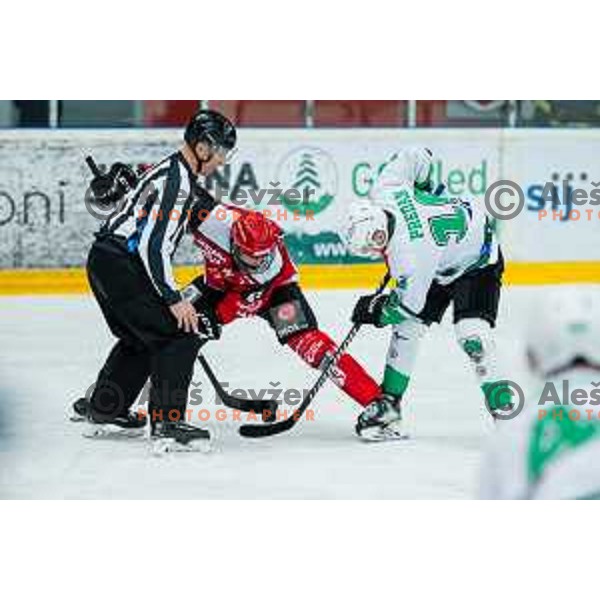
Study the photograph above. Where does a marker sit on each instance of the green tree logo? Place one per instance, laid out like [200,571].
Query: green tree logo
[312,173]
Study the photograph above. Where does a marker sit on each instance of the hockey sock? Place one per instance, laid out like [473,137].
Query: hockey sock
[401,356]
[313,346]
[477,341]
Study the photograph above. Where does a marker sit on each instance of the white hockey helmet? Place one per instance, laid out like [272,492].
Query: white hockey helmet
[366,229]
[423,165]
[564,330]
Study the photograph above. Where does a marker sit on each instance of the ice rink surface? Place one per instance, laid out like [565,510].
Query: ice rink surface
[52,348]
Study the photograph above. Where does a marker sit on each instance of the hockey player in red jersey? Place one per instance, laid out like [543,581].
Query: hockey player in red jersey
[248,273]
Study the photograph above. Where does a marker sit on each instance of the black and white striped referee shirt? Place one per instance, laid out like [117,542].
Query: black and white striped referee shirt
[154,216]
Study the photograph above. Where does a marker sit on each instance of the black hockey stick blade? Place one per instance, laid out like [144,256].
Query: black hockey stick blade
[257,406]
[256,431]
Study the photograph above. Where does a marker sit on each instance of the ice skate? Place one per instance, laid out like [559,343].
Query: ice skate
[179,436]
[381,421]
[78,411]
[131,425]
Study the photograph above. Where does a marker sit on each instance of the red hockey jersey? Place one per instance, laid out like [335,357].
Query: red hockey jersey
[245,294]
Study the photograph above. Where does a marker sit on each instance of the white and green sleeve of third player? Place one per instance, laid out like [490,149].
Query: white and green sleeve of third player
[546,452]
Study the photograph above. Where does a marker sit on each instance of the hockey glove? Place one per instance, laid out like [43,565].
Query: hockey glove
[208,324]
[368,310]
[380,310]
[109,188]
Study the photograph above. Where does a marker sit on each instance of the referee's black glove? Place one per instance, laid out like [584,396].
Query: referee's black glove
[109,188]
[209,326]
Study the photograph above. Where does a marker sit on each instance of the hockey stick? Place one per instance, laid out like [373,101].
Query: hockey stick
[91,163]
[258,406]
[255,431]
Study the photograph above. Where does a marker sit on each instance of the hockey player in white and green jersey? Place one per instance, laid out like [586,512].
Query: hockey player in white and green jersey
[440,250]
[551,450]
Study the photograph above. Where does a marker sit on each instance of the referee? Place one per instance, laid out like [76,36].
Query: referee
[131,275]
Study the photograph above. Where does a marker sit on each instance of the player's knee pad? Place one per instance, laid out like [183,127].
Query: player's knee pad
[290,314]
[409,330]
[476,338]
[404,344]
[405,338]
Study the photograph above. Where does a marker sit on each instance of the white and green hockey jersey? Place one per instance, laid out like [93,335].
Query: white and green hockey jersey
[436,237]
[549,451]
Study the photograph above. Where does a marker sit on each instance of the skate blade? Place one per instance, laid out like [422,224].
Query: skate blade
[160,447]
[390,433]
[108,431]
[74,416]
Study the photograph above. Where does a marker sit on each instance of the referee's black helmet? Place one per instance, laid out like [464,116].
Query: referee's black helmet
[212,128]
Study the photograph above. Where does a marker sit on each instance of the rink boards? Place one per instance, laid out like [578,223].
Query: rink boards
[326,277]
[46,228]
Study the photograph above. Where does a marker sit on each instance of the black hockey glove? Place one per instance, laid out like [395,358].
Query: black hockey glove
[109,188]
[368,310]
[209,326]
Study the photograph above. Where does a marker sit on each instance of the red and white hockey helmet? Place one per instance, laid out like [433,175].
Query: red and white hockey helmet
[254,241]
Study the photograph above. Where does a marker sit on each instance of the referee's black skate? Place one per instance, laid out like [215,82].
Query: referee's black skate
[179,436]
[79,410]
[381,420]
[129,425]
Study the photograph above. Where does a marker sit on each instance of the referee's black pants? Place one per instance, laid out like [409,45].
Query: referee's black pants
[149,345]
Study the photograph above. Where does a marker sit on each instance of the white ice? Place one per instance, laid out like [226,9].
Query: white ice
[52,348]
